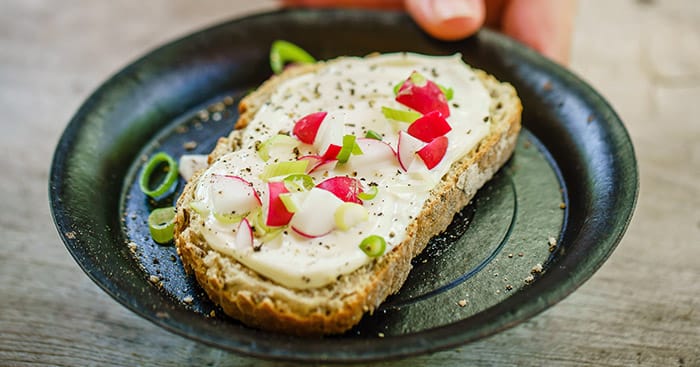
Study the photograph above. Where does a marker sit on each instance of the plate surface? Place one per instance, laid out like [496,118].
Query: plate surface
[562,203]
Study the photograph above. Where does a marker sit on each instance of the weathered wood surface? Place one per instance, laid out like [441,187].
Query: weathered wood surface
[641,308]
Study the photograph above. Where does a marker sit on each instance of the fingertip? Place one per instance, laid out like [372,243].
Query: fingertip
[448,20]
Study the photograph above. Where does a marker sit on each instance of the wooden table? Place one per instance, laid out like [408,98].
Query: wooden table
[641,308]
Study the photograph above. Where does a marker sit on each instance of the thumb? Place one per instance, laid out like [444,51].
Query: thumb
[448,20]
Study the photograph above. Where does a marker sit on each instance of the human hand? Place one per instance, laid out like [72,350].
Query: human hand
[545,25]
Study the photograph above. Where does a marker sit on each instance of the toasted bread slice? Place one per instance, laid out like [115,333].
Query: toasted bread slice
[334,308]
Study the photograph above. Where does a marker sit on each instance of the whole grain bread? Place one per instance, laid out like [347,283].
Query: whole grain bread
[259,302]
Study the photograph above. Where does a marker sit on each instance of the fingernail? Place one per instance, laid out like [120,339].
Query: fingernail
[444,10]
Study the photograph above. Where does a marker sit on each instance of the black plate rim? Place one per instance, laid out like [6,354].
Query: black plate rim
[498,317]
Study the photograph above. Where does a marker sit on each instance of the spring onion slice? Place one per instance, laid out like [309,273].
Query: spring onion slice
[170,177]
[278,140]
[284,169]
[349,147]
[373,135]
[400,115]
[228,218]
[283,52]
[288,202]
[349,214]
[200,207]
[298,182]
[370,193]
[373,246]
[161,224]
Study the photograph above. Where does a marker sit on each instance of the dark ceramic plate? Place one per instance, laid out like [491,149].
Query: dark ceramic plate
[561,204]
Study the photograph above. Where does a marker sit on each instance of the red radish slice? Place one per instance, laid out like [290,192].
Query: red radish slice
[318,163]
[429,127]
[306,128]
[315,216]
[274,211]
[376,155]
[423,97]
[232,195]
[325,166]
[332,152]
[329,133]
[344,188]
[433,152]
[244,235]
[407,148]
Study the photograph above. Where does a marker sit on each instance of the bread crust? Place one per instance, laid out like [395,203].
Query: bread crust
[259,302]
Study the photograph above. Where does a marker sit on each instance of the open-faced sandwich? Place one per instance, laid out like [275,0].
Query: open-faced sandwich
[336,175]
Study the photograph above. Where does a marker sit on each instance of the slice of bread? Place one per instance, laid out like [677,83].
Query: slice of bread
[259,302]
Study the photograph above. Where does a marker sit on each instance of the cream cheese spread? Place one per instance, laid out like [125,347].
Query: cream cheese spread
[352,91]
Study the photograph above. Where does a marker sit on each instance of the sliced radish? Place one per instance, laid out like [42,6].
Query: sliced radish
[316,215]
[429,127]
[274,211]
[191,163]
[331,152]
[244,235]
[407,148]
[376,155]
[330,133]
[318,163]
[232,195]
[433,152]
[344,188]
[350,214]
[306,128]
[422,95]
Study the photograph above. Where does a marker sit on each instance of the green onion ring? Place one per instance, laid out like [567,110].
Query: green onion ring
[371,134]
[373,246]
[299,182]
[400,115]
[170,177]
[370,194]
[161,224]
[283,52]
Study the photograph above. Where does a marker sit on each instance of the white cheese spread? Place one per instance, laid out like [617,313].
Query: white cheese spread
[352,91]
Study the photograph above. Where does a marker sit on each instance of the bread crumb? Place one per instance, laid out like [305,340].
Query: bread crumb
[552,243]
[188,299]
[212,313]
[154,279]
[380,334]
[536,269]
[132,246]
[203,115]
[70,235]
[529,279]
[509,287]
[190,145]
[228,100]
[562,205]
[462,302]
[510,256]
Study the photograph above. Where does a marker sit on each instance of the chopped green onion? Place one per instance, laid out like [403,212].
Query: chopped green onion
[269,236]
[229,218]
[347,149]
[199,207]
[161,224]
[349,214]
[397,87]
[284,169]
[170,175]
[448,92]
[373,135]
[278,140]
[288,202]
[298,182]
[369,194]
[418,78]
[257,222]
[400,115]
[373,246]
[283,52]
